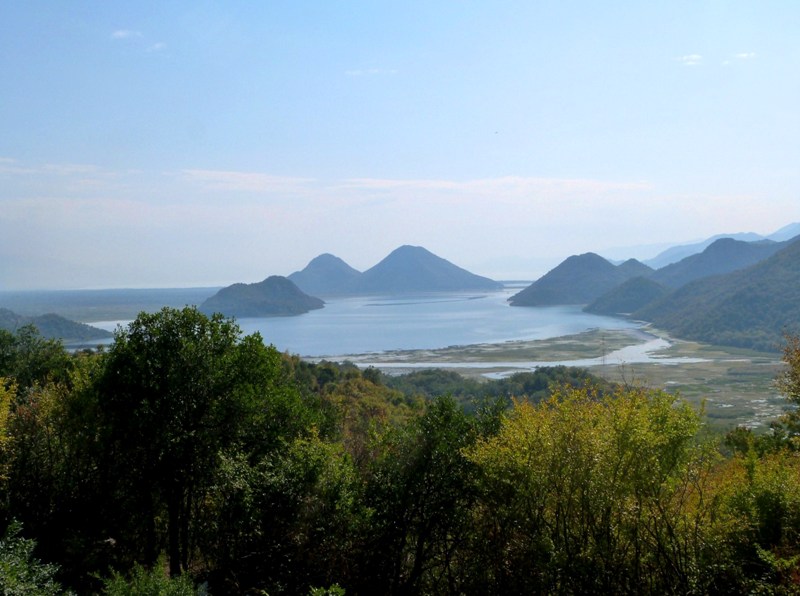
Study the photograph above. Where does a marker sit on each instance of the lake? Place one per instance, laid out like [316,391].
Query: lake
[360,325]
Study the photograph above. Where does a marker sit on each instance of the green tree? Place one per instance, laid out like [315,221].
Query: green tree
[421,488]
[29,358]
[177,389]
[590,494]
[21,574]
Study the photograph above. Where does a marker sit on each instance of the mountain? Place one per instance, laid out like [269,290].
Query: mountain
[275,296]
[633,268]
[751,307]
[52,326]
[786,233]
[628,297]
[676,253]
[580,279]
[326,275]
[722,256]
[415,269]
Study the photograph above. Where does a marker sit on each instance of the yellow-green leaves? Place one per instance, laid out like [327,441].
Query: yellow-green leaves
[599,485]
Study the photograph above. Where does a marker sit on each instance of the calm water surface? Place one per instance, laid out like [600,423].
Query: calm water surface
[360,325]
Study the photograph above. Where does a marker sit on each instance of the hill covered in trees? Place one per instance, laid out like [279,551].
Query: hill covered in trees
[276,296]
[52,326]
[722,256]
[628,297]
[580,279]
[733,293]
[752,307]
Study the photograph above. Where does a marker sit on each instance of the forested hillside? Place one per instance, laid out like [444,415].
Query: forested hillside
[274,297]
[723,256]
[52,326]
[190,457]
[580,279]
[628,297]
[752,307]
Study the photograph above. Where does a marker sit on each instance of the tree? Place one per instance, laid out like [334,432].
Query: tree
[786,430]
[177,389]
[29,358]
[591,494]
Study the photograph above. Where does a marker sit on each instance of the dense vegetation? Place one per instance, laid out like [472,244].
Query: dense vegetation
[52,326]
[191,459]
[750,308]
[276,296]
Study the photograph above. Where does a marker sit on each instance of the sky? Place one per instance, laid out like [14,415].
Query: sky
[201,143]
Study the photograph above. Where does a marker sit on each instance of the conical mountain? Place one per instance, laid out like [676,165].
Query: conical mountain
[415,269]
[633,268]
[274,297]
[326,275]
[580,279]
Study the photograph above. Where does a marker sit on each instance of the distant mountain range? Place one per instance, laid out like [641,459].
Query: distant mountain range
[676,253]
[406,269]
[276,296]
[732,293]
[52,326]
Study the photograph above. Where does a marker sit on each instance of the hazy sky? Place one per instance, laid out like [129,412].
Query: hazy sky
[178,143]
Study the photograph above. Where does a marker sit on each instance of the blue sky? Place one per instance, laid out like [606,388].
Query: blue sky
[154,144]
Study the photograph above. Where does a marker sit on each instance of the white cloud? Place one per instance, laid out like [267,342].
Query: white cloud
[690,59]
[157,47]
[125,34]
[745,55]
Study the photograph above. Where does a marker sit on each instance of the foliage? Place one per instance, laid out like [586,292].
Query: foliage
[21,574]
[592,494]
[178,387]
[420,486]
[153,582]
[189,447]
[29,358]
[470,393]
